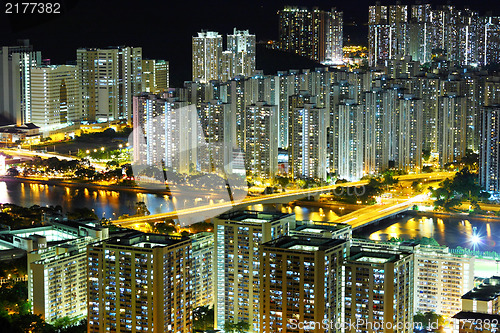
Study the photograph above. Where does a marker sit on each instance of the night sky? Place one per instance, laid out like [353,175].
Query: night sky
[164,28]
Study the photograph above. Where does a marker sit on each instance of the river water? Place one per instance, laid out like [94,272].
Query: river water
[111,204]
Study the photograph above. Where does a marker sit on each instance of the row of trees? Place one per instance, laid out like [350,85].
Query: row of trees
[16,315]
[463,186]
[366,194]
[106,135]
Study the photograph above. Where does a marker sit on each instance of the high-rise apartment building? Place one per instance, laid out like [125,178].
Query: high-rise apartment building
[167,132]
[140,282]
[452,134]
[441,279]
[307,135]
[301,281]
[109,79]
[202,269]
[287,86]
[387,35]
[428,89]
[489,41]
[55,96]
[149,131]
[261,143]
[489,149]
[155,76]
[57,275]
[207,56]
[349,128]
[237,263]
[409,140]
[211,62]
[480,308]
[379,289]
[380,105]
[315,33]
[218,128]
[241,45]
[461,36]
[16,65]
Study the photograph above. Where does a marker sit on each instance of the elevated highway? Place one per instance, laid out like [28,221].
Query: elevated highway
[369,214]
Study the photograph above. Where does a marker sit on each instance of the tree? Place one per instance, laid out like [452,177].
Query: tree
[203,318]
[427,169]
[111,164]
[283,181]
[240,327]
[429,321]
[82,214]
[466,184]
[451,192]
[141,208]
[426,154]
[470,159]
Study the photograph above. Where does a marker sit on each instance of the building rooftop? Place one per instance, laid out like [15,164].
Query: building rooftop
[302,243]
[145,240]
[486,291]
[374,257]
[253,216]
[474,316]
[320,228]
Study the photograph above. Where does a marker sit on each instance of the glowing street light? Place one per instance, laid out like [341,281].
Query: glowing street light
[475,239]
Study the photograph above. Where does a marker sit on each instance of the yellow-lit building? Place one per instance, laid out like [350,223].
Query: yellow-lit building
[480,309]
[140,282]
[57,275]
[301,282]
[379,290]
[55,96]
[155,76]
[237,262]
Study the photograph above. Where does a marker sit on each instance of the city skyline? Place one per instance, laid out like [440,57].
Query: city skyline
[171,43]
[169,181]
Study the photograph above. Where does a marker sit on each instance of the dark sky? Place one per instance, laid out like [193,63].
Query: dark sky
[164,28]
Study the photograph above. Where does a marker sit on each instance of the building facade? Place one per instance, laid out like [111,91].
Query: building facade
[55,96]
[140,282]
[155,76]
[207,56]
[109,78]
[301,281]
[237,263]
[16,65]
[379,290]
[489,149]
[312,33]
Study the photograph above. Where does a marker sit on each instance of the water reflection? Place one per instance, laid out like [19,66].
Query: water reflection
[449,231]
[108,203]
[452,232]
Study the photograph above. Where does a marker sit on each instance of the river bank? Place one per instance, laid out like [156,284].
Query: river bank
[136,189]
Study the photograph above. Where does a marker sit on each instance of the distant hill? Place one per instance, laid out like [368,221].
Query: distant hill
[272,61]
